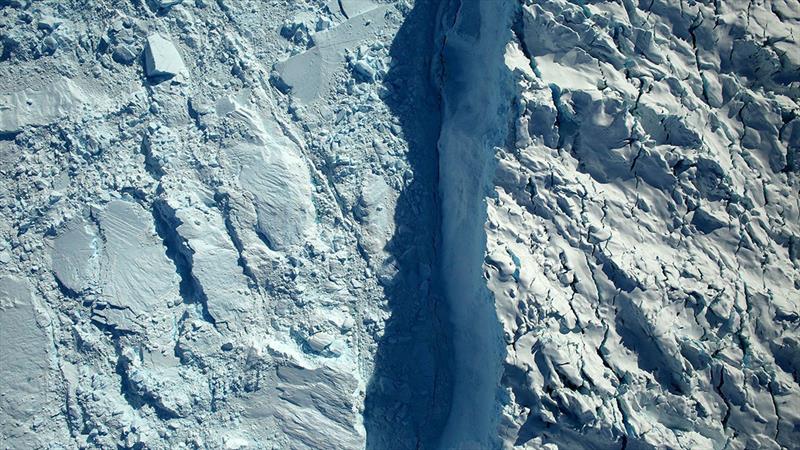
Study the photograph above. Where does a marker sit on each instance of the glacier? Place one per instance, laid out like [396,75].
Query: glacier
[400,224]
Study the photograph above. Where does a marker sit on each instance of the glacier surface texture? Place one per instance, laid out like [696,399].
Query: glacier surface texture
[400,224]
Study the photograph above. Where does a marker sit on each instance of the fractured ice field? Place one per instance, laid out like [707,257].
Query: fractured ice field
[399,224]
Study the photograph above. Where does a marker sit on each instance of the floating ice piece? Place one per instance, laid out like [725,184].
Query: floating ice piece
[298,29]
[162,59]
[163,4]
[49,23]
[319,341]
[706,222]
[274,171]
[75,258]
[364,70]
[23,363]
[137,276]
[352,8]
[311,406]
[307,75]
[277,176]
[211,258]
[39,106]
[118,266]
[374,210]
[280,181]
[168,389]
[124,54]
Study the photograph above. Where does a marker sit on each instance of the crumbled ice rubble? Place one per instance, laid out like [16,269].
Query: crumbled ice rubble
[198,220]
[641,223]
[367,66]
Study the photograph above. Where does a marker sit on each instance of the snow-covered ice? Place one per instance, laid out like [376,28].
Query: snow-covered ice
[399,224]
[162,59]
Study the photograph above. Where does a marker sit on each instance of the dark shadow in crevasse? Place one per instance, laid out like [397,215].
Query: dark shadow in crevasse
[408,398]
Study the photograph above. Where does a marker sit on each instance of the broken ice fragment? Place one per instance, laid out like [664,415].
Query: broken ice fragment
[364,70]
[297,30]
[374,210]
[162,59]
[312,405]
[164,4]
[24,361]
[38,106]
[352,8]
[308,74]
[49,23]
[124,54]
[75,261]
[49,45]
[278,178]
[319,341]
[137,277]
[706,222]
[211,259]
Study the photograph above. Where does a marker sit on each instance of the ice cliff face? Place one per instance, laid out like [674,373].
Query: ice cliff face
[642,227]
[399,225]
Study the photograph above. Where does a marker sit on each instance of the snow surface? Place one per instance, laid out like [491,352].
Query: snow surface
[641,234]
[396,224]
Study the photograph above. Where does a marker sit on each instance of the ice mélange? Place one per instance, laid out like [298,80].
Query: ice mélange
[431,224]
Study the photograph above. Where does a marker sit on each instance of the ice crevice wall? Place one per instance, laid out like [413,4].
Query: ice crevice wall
[474,122]
[619,184]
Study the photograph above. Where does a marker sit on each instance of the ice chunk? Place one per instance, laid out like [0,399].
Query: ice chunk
[49,23]
[364,70]
[173,391]
[278,177]
[137,277]
[164,4]
[310,406]
[308,74]
[304,75]
[352,8]
[211,257]
[162,59]
[124,54]
[281,184]
[75,257]
[39,106]
[23,364]
[115,261]
[319,341]
[375,210]
[706,222]
[298,29]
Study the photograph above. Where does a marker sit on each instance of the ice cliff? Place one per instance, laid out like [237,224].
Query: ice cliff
[455,224]
[641,229]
